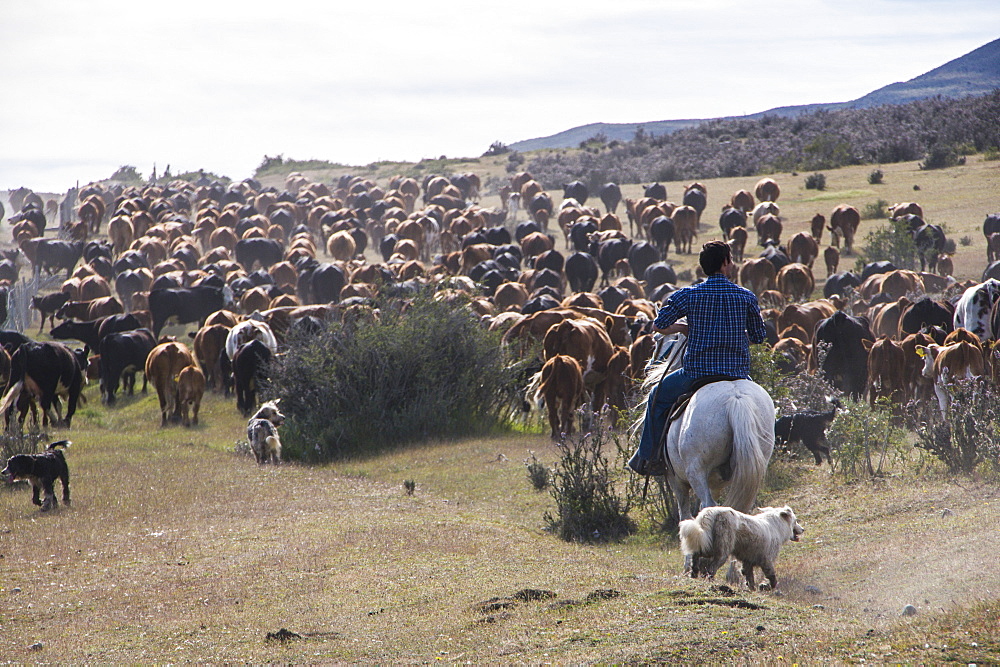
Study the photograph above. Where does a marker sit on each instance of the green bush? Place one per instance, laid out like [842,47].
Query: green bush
[941,156]
[875,177]
[423,369]
[538,474]
[970,434]
[592,498]
[863,439]
[877,210]
[816,182]
[891,242]
[992,153]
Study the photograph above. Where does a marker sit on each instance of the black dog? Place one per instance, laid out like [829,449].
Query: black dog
[42,470]
[809,428]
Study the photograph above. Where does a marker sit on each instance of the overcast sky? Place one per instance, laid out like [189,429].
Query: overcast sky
[91,85]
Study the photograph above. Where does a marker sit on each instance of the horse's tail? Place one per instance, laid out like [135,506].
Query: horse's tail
[752,429]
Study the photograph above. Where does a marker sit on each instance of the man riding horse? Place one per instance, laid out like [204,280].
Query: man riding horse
[722,320]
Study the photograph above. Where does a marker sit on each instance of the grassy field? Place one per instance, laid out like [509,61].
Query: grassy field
[178,549]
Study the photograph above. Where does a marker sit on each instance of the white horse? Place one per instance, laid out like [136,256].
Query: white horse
[724,439]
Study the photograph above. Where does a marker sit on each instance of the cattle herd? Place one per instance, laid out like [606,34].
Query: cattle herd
[250,266]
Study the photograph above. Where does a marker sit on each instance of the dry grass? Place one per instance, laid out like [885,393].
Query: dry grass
[177,549]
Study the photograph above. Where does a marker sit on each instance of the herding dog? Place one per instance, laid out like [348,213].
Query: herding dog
[809,428]
[41,470]
[720,532]
[262,432]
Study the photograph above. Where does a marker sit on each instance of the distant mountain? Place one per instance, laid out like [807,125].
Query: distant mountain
[975,73]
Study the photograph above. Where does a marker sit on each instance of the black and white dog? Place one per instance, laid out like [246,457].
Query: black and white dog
[262,432]
[809,428]
[42,470]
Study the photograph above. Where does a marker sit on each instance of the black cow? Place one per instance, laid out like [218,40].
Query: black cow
[929,240]
[924,313]
[579,234]
[54,255]
[661,233]
[730,218]
[840,283]
[613,296]
[611,196]
[187,304]
[640,257]
[122,354]
[576,190]
[874,268]
[658,274]
[48,305]
[608,253]
[497,235]
[90,333]
[776,256]
[696,199]
[655,191]
[325,283]
[991,225]
[581,271]
[48,369]
[266,252]
[540,202]
[539,303]
[846,363]
[550,259]
[525,228]
[250,369]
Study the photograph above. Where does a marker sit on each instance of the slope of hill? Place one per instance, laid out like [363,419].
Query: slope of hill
[975,73]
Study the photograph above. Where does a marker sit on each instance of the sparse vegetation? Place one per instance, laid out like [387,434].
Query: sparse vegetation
[865,441]
[391,378]
[816,181]
[590,490]
[968,437]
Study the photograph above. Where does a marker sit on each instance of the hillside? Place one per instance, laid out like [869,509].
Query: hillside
[975,73]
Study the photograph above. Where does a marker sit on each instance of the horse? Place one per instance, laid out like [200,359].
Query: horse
[724,439]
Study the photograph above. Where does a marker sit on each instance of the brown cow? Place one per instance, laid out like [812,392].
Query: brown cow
[562,391]
[806,315]
[816,226]
[917,387]
[767,190]
[738,242]
[794,352]
[758,275]
[768,229]
[743,200]
[510,296]
[886,370]
[640,353]
[832,258]
[190,389]
[946,364]
[796,281]
[803,248]
[209,342]
[885,317]
[844,222]
[685,228]
[164,363]
[587,341]
[897,211]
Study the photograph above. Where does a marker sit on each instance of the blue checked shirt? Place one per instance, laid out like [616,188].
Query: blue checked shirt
[723,319]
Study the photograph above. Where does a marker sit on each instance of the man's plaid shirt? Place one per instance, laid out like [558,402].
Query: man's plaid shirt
[723,319]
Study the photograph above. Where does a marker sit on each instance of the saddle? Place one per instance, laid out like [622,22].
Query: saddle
[677,410]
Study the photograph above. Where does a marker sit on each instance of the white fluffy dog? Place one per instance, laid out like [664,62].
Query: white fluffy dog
[720,532]
[262,432]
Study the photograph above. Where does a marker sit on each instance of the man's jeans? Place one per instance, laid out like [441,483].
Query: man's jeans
[670,389]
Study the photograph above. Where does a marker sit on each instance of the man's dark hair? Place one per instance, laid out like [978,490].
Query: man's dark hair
[713,255]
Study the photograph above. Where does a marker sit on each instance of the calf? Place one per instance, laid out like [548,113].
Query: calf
[163,364]
[122,354]
[561,390]
[48,305]
[190,389]
[809,428]
[945,364]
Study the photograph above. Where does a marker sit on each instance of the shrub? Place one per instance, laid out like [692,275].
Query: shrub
[15,442]
[128,174]
[875,177]
[877,210]
[497,148]
[992,153]
[816,182]
[422,369]
[590,505]
[965,241]
[969,436]
[891,242]
[941,156]
[863,439]
[538,474]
